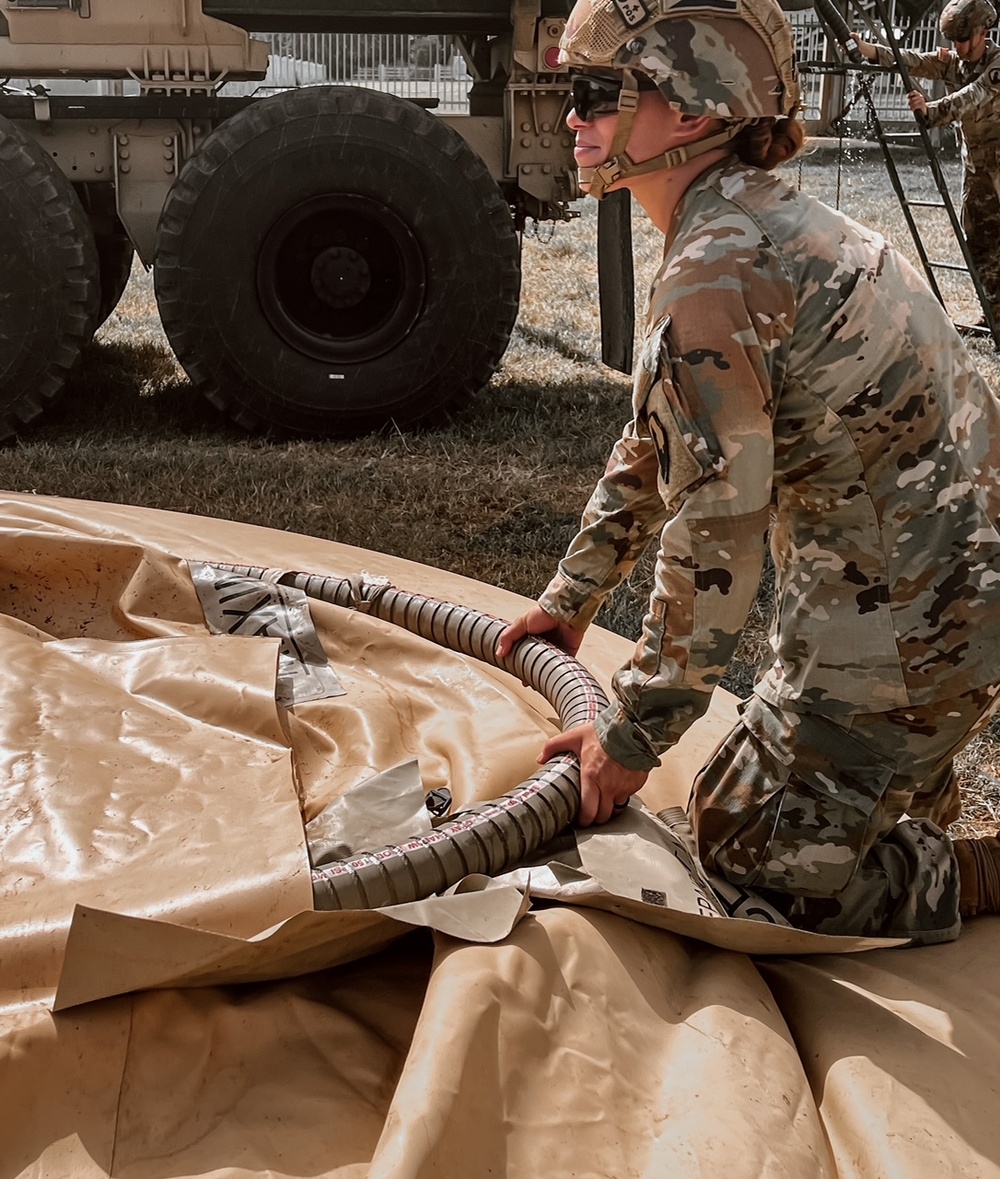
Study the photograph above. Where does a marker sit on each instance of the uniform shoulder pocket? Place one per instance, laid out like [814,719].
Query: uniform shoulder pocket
[680,427]
[679,469]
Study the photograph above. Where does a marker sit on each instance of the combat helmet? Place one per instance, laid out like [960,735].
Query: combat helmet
[728,59]
[960,18]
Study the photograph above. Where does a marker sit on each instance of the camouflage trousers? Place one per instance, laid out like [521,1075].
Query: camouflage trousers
[840,823]
[981,222]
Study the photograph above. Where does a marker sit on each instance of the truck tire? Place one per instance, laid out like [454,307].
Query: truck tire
[48,281]
[333,260]
[114,253]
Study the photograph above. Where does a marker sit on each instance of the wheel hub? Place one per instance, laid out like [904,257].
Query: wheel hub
[341,277]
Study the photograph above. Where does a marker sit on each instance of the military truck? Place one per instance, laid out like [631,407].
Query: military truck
[326,260]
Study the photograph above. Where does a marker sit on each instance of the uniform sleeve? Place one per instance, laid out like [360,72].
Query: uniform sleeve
[921,65]
[624,514]
[723,349]
[982,94]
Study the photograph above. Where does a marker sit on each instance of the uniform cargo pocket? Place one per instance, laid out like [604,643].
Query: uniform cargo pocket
[788,803]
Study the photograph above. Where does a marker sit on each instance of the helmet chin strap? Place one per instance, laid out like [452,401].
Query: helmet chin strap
[618,165]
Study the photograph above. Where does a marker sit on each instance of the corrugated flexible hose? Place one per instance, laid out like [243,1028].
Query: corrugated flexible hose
[492,837]
[834,18]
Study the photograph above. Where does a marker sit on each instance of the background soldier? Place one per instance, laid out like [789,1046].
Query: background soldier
[800,381]
[971,71]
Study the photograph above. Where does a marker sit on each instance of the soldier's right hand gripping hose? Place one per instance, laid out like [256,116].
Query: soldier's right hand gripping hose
[605,785]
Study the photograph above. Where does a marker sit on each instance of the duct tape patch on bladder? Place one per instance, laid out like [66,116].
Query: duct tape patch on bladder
[235,604]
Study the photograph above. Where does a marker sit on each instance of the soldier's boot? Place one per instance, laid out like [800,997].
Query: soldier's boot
[979,875]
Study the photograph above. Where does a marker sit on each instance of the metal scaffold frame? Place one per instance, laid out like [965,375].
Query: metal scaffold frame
[851,62]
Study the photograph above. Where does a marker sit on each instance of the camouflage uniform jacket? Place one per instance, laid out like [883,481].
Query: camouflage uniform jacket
[795,367]
[974,101]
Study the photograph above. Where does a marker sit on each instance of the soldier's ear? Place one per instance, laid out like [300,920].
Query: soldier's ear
[692,127]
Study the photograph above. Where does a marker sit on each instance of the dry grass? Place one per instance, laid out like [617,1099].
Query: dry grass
[492,491]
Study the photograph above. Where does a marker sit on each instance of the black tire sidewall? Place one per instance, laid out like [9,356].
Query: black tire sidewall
[48,283]
[339,140]
[115,254]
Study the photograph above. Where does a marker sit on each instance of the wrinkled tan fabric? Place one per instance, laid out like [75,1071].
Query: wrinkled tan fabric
[902,1050]
[592,1045]
[120,781]
[581,1044]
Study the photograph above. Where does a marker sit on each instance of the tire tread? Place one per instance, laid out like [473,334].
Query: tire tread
[279,111]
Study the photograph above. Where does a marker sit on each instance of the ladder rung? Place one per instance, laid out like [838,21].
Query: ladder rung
[927,204]
[948,266]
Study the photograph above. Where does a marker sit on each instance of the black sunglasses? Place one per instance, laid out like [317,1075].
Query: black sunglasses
[597,94]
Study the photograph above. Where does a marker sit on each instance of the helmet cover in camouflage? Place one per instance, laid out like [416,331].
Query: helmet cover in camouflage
[960,18]
[730,59]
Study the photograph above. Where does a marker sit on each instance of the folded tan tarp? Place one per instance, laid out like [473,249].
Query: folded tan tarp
[153,835]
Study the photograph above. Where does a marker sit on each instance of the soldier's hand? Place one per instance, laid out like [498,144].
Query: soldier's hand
[605,784]
[537,621]
[918,104]
[866,48]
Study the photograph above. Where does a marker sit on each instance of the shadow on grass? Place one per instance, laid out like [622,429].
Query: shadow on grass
[136,391]
[554,342]
[128,390]
[583,416]
[526,530]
